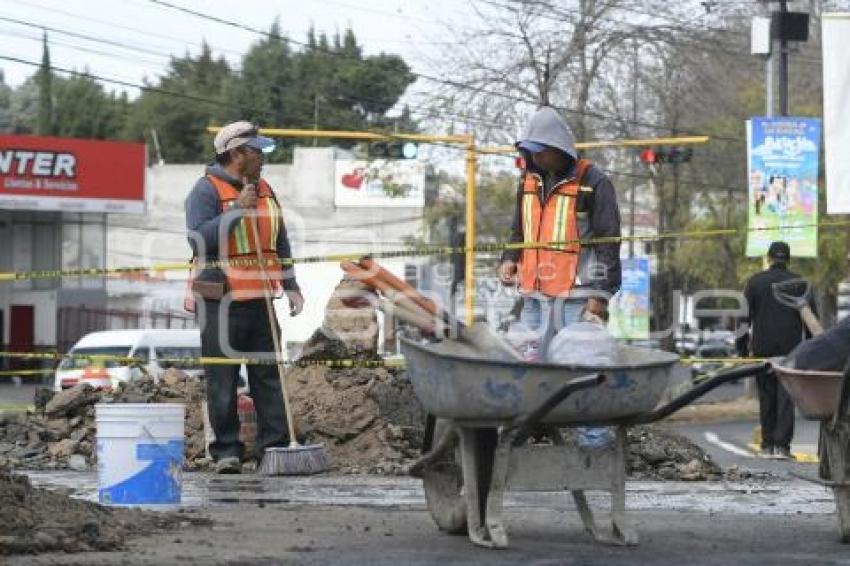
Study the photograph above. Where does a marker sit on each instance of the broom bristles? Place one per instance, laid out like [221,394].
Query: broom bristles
[295,460]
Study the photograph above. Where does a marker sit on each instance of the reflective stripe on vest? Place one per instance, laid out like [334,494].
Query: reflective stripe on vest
[552,269]
[245,282]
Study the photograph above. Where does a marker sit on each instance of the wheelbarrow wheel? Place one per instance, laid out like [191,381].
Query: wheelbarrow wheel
[443,484]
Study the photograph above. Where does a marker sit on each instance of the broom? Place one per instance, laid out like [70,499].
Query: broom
[295,459]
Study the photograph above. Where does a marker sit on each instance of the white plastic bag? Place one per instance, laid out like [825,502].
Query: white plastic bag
[583,343]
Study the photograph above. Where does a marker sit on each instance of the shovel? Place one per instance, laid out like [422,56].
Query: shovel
[478,336]
[795,293]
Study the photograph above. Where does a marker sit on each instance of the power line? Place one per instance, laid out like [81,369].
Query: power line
[142,87]
[447,82]
[84,36]
[147,33]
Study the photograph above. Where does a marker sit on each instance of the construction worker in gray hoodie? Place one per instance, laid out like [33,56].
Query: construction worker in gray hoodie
[562,201]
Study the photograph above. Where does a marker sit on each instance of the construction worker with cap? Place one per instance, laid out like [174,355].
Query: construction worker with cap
[223,210]
[774,330]
[562,200]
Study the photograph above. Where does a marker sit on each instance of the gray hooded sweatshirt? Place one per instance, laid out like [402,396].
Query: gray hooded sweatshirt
[598,213]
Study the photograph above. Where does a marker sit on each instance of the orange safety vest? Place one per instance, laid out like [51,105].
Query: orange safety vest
[244,274]
[551,270]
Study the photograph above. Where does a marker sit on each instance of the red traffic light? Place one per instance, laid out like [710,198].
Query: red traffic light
[649,156]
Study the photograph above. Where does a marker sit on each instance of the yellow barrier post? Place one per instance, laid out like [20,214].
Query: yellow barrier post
[469,275]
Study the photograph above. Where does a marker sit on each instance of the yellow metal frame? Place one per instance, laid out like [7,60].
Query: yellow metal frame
[467,140]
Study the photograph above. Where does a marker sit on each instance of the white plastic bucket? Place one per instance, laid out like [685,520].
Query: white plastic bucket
[139,453]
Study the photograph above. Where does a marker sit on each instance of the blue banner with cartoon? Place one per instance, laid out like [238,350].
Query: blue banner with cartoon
[782,170]
[629,308]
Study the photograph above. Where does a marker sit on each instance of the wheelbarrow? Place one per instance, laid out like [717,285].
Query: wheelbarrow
[825,396]
[484,411]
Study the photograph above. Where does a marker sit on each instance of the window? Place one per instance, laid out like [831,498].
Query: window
[183,357]
[83,246]
[81,363]
[45,254]
[142,353]
[70,253]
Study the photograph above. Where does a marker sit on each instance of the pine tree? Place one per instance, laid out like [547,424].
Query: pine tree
[44,127]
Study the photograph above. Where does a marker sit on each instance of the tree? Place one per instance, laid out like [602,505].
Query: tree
[84,110]
[24,106]
[6,117]
[181,105]
[44,126]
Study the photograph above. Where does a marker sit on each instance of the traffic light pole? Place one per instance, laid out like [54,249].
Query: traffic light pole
[468,141]
[783,66]
[469,274]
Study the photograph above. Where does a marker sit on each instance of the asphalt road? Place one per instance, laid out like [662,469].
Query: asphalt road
[381,520]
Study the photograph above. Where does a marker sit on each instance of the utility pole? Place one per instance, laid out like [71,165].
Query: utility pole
[783,65]
[632,198]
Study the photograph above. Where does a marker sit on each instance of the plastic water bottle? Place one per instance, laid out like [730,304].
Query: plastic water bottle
[596,437]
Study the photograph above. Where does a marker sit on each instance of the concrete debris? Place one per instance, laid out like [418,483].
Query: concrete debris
[657,454]
[61,433]
[350,327]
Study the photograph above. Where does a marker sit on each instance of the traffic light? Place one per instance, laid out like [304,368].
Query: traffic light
[679,154]
[393,150]
[667,155]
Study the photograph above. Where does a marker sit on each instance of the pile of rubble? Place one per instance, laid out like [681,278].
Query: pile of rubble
[367,418]
[60,433]
[34,520]
[657,454]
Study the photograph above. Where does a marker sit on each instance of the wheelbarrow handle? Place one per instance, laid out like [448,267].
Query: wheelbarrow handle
[695,393]
[521,425]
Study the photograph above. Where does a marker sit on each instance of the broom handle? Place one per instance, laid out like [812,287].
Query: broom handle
[273,327]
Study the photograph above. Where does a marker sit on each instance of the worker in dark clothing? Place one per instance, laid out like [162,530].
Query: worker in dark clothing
[231,210]
[775,329]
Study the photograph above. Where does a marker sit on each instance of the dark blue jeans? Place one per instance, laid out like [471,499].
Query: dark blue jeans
[247,331]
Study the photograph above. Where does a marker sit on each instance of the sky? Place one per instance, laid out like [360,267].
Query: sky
[151,32]
[416,30]
[132,40]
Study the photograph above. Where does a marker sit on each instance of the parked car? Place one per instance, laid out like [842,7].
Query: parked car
[153,346]
[712,352]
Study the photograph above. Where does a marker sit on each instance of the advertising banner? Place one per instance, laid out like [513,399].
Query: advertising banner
[629,308]
[782,168]
[379,183]
[836,109]
[72,175]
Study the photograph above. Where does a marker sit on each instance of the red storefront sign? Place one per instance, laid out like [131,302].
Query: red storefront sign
[73,175]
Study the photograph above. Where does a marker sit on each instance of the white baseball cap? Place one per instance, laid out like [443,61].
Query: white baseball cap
[241,133]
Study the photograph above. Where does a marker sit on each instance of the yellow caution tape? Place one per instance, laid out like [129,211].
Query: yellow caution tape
[26,372]
[408,252]
[203,360]
[267,360]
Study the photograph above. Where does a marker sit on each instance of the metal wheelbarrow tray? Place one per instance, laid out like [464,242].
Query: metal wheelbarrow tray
[815,393]
[825,396]
[484,410]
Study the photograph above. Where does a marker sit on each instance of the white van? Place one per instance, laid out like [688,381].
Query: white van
[152,345]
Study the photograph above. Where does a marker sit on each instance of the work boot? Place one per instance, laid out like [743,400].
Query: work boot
[782,453]
[766,452]
[228,465]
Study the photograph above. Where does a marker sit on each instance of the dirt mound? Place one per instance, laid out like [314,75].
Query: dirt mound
[657,454]
[367,418]
[34,520]
[60,434]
